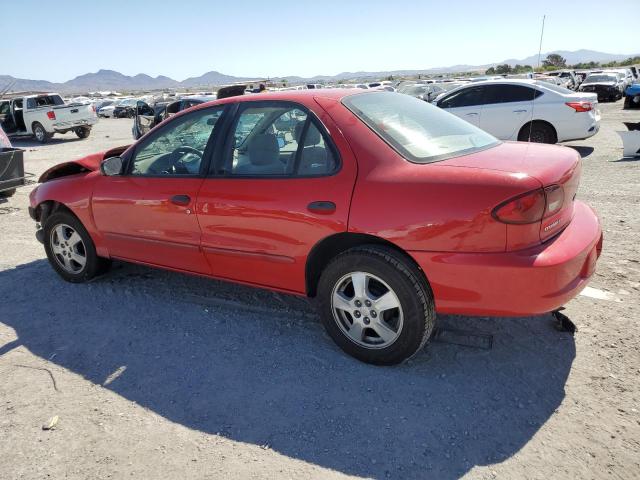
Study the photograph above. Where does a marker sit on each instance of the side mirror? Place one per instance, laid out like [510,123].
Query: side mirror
[111,166]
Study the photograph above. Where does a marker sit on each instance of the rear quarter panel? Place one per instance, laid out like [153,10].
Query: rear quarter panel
[424,207]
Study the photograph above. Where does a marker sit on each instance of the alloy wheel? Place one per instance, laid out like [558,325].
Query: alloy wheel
[367,310]
[68,248]
[40,134]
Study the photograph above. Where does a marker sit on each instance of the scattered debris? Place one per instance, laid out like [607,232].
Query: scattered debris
[53,379]
[51,423]
[563,323]
[464,338]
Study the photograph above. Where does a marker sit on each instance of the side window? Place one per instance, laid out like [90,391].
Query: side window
[178,147]
[278,140]
[466,97]
[510,93]
[266,140]
[316,158]
[31,103]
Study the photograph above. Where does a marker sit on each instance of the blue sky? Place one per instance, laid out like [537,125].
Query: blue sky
[282,37]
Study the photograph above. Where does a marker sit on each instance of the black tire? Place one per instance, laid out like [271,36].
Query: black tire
[8,193]
[408,284]
[94,265]
[40,133]
[537,132]
[82,132]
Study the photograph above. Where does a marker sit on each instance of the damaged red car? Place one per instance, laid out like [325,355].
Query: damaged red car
[386,209]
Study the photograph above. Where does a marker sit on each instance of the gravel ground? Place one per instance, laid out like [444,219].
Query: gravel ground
[155,374]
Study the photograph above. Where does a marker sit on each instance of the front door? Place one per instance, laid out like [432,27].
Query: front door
[145,119]
[465,103]
[148,214]
[280,187]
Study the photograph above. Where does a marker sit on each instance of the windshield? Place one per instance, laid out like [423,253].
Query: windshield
[600,78]
[417,130]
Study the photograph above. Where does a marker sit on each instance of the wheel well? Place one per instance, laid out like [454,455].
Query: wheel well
[543,122]
[46,208]
[33,126]
[328,248]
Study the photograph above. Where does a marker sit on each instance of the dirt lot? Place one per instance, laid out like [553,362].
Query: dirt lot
[161,375]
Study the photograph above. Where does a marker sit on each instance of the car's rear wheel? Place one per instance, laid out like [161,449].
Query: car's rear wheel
[376,305]
[537,132]
[82,132]
[40,133]
[70,249]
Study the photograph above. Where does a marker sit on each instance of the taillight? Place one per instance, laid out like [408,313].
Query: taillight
[93,107]
[580,106]
[530,207]
[51,115]
[555,199]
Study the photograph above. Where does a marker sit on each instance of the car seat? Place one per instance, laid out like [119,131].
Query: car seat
[264,157]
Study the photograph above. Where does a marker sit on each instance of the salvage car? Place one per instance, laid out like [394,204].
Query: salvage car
[608,86]
[428,92]
[567,78]
[43,115]
[383,207]
[525,110]
[632,96]
[125,108]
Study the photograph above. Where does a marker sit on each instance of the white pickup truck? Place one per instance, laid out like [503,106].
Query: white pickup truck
[42,115]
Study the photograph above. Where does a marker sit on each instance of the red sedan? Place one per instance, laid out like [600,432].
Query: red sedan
[385,208]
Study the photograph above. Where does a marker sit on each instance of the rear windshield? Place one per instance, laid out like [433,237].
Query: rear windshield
[44,101]
[420,132]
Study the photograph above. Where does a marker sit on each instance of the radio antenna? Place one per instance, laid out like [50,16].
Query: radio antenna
[534,76]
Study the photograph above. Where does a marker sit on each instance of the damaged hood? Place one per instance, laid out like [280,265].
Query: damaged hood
[86,164]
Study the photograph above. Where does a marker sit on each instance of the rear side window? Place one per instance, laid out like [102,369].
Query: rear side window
[420,132]
[466,97]
[278,139]
[509,93]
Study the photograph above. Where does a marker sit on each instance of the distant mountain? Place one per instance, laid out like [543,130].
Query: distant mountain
[112,80]
[579,56]
[213,78]
[20,84]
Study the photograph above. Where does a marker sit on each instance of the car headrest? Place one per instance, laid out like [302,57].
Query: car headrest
[264,150]
[313,136]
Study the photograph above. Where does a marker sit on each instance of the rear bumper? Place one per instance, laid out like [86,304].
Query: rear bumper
[527,282]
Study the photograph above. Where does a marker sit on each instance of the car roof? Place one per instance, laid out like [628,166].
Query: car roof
[288,95]
[291,95]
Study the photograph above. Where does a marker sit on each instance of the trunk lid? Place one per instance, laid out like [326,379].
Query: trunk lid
[549,164]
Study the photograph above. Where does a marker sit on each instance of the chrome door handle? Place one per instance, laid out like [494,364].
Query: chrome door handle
[519,111]
[472,113]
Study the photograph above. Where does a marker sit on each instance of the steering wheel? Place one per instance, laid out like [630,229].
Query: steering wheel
[178,165]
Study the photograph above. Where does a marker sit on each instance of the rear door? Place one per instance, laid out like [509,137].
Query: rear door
[506,109]
[148,213]
[282,183]
[465,103]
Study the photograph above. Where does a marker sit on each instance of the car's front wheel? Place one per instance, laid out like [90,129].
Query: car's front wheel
[70,249]
[376,305]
